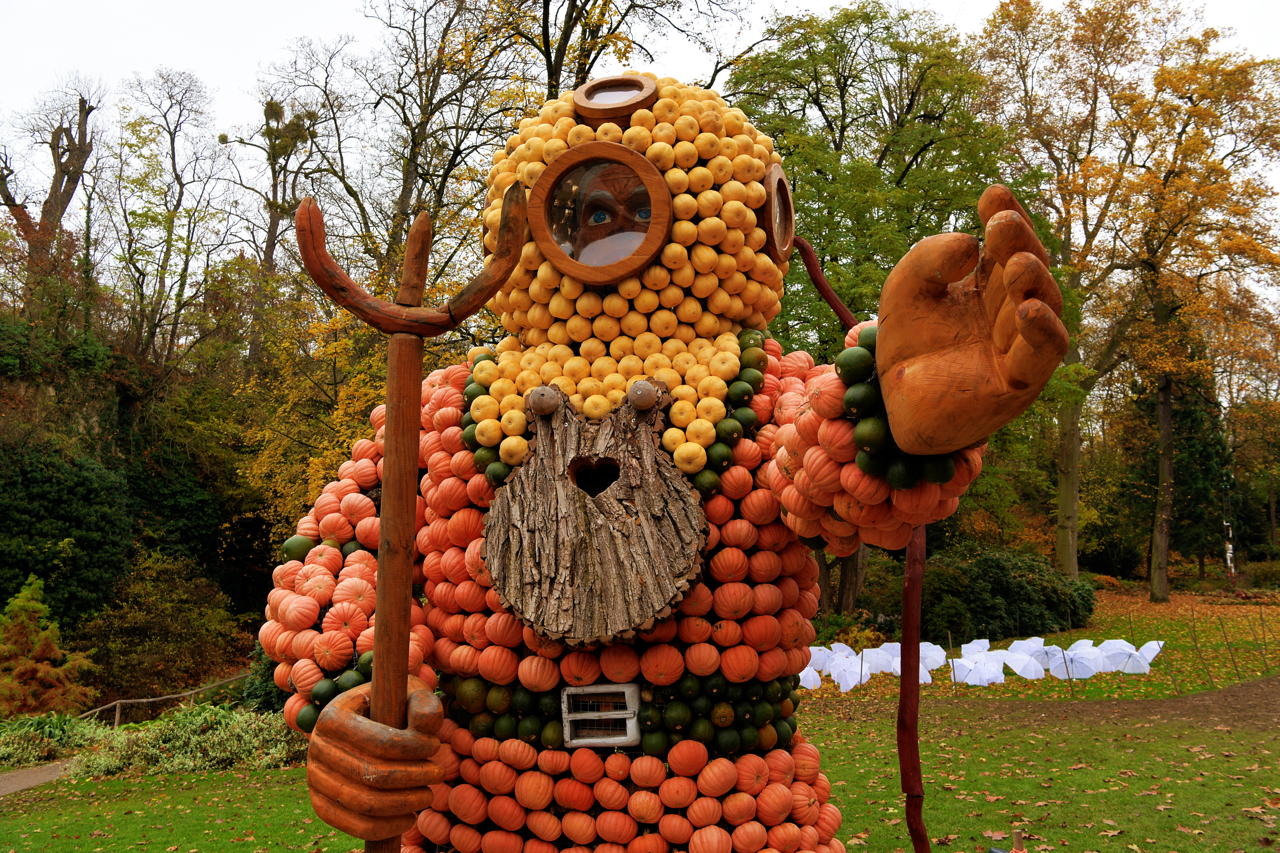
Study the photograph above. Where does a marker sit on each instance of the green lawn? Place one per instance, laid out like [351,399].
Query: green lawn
[1174,767]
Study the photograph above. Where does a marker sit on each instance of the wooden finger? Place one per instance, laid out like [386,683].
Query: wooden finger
[362,799]
[1009,233]
[1036,351]
[1025,277]
[361,826]
[425,711]
[938,261]
[417,253]
[996,198]
[344,721]
[381,773]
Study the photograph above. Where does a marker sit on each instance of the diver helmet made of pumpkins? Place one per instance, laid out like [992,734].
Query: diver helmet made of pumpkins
[660,225]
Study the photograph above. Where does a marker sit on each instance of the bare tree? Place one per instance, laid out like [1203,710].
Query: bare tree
[165,191]
[571,36]
[409,127]
[64,128]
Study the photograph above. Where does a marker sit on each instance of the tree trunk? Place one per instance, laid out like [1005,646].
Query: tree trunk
[1159,566]
[853,574]
[824,580]
[1066,548]
[1271,513]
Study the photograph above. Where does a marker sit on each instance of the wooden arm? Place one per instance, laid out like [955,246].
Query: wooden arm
[814,267]
[408,317]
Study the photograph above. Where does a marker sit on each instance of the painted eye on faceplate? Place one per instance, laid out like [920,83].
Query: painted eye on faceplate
[599,217]
[643,214]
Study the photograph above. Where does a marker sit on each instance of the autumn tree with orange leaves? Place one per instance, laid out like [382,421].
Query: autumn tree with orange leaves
[1152,141]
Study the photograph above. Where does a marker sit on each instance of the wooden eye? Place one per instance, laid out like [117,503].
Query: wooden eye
[600,212]
[598,101]
[779,220]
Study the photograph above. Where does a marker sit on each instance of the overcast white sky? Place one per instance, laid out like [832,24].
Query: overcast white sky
[228,42]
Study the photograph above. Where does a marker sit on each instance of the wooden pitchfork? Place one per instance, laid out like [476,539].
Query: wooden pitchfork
[407,322]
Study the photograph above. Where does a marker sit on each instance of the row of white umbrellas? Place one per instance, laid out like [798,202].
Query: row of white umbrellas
[979,664]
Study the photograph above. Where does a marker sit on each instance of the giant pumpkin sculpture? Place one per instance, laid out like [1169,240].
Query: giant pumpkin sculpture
[618,502]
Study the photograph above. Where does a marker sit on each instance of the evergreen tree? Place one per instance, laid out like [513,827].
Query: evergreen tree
[36,675]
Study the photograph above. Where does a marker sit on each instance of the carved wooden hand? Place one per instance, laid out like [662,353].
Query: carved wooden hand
[369,779]
[968,335]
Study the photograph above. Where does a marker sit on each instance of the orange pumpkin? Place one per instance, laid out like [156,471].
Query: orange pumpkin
[761,633]
[572,794]
[662,664]
[578,827]
[739,663]
[433,825]
[738,808]
[496,777]
[675,828]
[465,661]
[804,803]
[280,675]
[693,629]
[678,792]
[759,507]
[648,771]
[533,789]
[580,668]
[829,820]
[333,650]
[544,825]
[645,806]
[538,673]
[750,837]
[617,766]
[610,794]
[739,533]
[717,778]
[753,774]
[649,842]
[726,633]
[729,564]
[701,659]
[498,665]
[703,811]
[468,803]
[553,761]
[785,837]
[710,839]
[465,839]
[506,812]
[586,766]
[807,762]
[304,675]
[697,601]
[773,805]
[517,754]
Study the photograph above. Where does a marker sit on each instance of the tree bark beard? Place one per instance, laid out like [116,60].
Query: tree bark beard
[597,535]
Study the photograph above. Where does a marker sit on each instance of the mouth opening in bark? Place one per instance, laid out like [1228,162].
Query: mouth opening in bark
[593,476]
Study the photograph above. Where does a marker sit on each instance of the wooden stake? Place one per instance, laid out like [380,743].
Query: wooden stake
[407,322]
[909,694]
[1195,641]
[1227,640]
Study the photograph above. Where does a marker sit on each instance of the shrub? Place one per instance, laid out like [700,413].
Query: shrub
[195,738]
[27,740]
[1264,575]
[853,629]
[260,691]
[169,629]
[975,592]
